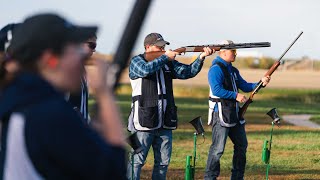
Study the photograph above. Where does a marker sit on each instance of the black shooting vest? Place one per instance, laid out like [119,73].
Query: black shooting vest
[228,108]
[153,103]
[79,100]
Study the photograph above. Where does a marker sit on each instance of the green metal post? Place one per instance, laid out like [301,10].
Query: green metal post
[132,166]
[188,173]
[268,162]
[190,169]
[265,152]
[194,154]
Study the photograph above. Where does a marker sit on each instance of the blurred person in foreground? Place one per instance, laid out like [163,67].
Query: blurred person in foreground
[154,113]
[224,98]
[42,136]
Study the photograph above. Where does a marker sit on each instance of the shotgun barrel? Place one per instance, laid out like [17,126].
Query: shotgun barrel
[149,56]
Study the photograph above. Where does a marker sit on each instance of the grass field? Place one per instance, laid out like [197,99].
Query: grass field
[295,150]
[315,118]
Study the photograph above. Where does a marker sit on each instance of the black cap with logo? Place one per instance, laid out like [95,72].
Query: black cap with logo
[46,31]
[155,39]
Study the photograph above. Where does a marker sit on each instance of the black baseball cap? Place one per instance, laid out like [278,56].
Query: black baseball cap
[155,39]
[46,31]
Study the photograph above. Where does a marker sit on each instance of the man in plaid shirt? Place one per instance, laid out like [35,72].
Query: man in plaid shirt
[154,114]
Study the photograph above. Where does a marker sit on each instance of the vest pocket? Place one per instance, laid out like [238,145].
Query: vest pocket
[148,115]
[171,118]
[229,115]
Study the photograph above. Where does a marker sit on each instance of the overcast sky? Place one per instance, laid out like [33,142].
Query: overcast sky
[191,22]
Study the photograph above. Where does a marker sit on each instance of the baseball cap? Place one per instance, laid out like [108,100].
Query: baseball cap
[46,31]
[6,34]
[229,42]
[155,39]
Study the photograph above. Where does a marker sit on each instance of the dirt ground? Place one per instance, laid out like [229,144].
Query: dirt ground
[280,79]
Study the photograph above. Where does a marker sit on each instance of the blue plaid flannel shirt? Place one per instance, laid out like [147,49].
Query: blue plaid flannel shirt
[140,68]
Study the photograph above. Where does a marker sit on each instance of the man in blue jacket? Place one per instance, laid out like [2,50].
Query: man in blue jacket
[224,81]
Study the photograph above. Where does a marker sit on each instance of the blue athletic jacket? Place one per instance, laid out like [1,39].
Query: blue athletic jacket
[216,78]
[42,137]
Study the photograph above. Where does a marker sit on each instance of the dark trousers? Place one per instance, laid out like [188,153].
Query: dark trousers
[220,134]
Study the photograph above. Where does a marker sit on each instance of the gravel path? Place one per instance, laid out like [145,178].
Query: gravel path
[300,120]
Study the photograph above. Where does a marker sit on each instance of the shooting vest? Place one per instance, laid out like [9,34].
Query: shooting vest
[227,108]
[80,101]
[153,103]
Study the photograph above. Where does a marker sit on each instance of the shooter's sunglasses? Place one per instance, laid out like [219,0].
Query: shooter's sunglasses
[92,45]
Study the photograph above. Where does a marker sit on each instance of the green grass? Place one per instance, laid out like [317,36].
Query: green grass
[315,118]
[287,101]
[295,151]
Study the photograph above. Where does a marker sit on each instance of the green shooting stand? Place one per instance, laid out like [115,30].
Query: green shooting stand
[190,169]
[266,151]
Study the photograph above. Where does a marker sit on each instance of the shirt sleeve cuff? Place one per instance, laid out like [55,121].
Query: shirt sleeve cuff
[235,95]
[164,57]
[201,60]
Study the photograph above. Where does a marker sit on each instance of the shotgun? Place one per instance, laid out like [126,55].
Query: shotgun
[275,65]
[129,36]
[149,56]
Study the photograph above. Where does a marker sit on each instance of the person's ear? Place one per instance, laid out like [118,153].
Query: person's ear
[146,46]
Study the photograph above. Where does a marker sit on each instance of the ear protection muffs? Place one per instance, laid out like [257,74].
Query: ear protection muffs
[53,62]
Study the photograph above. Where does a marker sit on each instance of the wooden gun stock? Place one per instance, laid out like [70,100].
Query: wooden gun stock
[244,108]
[150,56]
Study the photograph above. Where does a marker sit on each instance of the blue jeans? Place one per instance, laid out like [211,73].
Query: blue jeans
[220,134]
[161,142]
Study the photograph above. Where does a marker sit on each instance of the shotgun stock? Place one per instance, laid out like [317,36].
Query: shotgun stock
[275,65]
[149,56]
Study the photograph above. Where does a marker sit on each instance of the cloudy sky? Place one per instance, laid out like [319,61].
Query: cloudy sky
[190,22]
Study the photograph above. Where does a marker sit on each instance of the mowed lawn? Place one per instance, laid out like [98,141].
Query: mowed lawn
[295,150]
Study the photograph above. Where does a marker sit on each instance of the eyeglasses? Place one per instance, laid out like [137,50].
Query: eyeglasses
[234,51]
[92,45]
